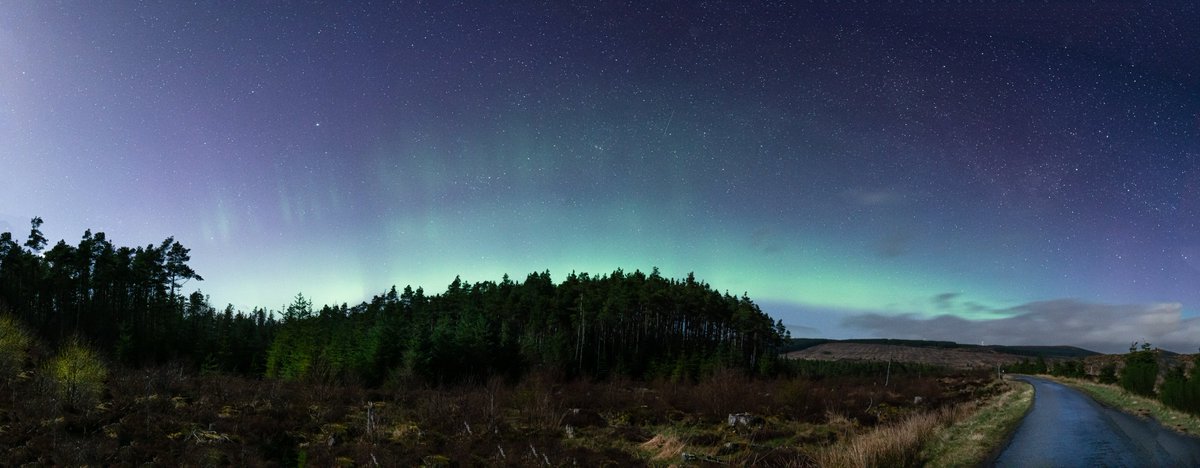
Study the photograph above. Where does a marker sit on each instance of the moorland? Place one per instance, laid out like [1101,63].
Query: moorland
[105,360]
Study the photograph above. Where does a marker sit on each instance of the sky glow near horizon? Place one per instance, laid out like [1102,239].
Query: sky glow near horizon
[833,162]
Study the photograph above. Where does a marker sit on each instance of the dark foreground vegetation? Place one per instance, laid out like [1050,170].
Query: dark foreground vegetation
[173,416]
[104,360]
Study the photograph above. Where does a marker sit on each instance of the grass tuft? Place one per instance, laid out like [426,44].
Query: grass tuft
[896,444]
[663,447]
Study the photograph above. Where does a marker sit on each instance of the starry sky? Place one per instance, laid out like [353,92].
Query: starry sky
[969,171]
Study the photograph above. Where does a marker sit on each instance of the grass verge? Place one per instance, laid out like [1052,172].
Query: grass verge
[1117,397]
[962,435]
[892,445]
[971,440]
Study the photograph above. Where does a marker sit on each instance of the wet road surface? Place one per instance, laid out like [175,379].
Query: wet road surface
[1067,428]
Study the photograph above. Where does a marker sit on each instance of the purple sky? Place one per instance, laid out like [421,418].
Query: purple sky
[857,170]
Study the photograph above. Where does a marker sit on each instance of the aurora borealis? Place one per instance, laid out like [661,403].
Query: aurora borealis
[854,168]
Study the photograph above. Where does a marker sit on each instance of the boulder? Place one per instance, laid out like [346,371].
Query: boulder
[737,420]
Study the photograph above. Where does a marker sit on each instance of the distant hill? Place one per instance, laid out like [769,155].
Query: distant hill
[797,344]
[940,353]
[1061,352]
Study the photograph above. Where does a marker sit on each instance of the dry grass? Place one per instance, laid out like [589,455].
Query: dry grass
[663,447]
[891,445]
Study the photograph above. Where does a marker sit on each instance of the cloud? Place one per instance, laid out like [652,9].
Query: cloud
[1099,327]
[808,321]
[944,301]
[949,303]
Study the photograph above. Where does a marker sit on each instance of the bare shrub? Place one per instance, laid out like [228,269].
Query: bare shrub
[483,406]
[539,403]
[727,391]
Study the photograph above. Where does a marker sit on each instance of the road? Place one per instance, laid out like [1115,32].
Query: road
[1068,428]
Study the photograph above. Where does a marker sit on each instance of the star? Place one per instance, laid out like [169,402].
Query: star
[985,152]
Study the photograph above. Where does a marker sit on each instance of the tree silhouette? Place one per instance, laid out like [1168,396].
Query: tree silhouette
[36,241]
[127,303]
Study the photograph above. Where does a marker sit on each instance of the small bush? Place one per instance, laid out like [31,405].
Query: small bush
[1108,374]
[77,375]
[1140,372]
[1180,392]
[14,346]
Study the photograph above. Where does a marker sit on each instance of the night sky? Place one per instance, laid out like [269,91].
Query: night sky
[968,171]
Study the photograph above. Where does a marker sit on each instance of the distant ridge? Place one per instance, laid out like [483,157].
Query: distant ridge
[944,353]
